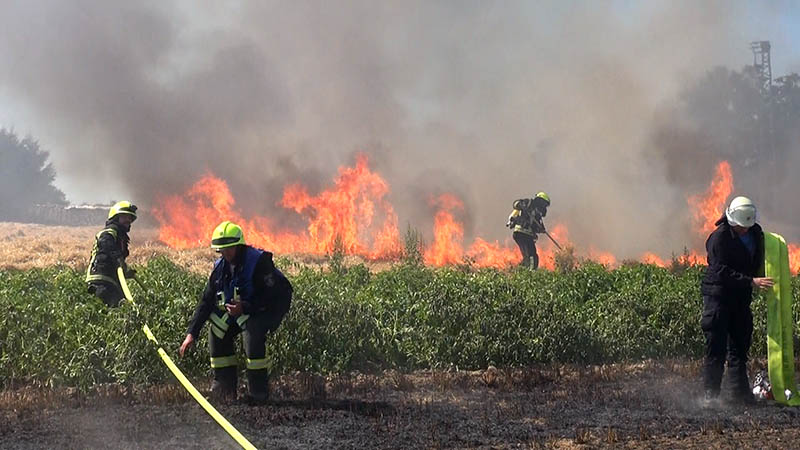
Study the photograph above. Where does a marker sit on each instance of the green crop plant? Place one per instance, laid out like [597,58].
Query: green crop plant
[410,316]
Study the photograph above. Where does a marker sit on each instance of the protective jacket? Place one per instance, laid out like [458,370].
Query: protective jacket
[526,216]
[731,267]
[253,280]
[109,252]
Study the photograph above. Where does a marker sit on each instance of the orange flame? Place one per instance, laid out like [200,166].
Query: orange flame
[794,258]
[652,258]
[487,254]
[448,233]
[605,258]
[347,213]
[708,208]
[355,213]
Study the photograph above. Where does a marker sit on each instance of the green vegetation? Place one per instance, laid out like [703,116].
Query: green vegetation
[345,318]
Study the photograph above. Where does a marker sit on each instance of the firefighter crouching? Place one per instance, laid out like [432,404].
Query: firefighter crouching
[109,252]
[245,294]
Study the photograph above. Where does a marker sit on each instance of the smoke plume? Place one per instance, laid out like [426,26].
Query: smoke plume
[491,101]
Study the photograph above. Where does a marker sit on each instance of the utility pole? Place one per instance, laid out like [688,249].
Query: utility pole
[765,122]
[762,65]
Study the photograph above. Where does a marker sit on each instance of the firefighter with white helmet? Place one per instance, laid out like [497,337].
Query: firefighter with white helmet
[735,266]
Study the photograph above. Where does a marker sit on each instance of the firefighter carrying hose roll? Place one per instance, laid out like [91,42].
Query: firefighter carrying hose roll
[735,267]
[526,221]
[245,294]
[109,252]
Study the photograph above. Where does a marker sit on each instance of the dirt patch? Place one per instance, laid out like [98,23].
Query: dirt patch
[646,405]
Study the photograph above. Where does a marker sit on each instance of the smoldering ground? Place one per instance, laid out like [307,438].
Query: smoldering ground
[642,405]
[489,100]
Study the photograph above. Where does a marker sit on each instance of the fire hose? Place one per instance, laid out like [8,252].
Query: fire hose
[780,342]
[230,429]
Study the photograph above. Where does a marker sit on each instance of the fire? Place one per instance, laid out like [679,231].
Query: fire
[605,258]
[354,214]
[794,258]
[487,254]
[448,233]
[708,208]
[652,258]
[547,250]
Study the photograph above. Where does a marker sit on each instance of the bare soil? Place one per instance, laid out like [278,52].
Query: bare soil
[645,405]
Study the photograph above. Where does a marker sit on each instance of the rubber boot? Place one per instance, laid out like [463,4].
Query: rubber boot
[223,388]
[741,392]
[257,387]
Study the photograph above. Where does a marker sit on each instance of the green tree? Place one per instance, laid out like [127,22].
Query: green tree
[26,177]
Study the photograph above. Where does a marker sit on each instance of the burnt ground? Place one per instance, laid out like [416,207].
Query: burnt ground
[646,405]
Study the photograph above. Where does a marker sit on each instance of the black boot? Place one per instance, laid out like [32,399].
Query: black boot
[741,392]
[223,388]
[257,387]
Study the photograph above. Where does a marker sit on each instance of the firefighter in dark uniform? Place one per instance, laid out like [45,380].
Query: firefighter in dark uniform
[245,294]
[526,221]
[735,266]
[109,252]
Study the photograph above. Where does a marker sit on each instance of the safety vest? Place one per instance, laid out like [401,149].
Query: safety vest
[238,287]
[90,275]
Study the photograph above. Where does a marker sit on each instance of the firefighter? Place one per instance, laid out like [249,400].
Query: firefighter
[245,294]
[109,252]
[735,266]
[526,221]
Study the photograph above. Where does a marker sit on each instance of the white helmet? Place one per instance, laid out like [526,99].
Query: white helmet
[741,212]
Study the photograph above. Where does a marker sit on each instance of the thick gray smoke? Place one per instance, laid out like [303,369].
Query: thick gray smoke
[489,100]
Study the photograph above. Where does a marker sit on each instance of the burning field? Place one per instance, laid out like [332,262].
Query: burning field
[354,215]
[404,363]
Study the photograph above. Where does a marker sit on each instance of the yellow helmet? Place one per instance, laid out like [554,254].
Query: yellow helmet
[544,196]
[123,207]
[227,234]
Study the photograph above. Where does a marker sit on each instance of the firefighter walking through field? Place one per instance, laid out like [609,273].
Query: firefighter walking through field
[245,294]
[109,252]
[526,221]
[735,266]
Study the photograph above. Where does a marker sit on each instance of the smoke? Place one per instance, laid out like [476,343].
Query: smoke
[492,101]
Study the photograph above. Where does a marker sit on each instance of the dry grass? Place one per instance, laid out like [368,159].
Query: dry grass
[25,246]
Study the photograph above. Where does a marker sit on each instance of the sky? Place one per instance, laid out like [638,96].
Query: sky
[490,100]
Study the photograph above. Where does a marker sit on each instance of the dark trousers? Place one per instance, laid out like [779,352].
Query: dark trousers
[527,246]
[727,323]
[254,333]
[111,294]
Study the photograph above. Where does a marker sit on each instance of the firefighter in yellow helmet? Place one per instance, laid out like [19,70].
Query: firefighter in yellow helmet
[245,294]
[526,221]
[109,252]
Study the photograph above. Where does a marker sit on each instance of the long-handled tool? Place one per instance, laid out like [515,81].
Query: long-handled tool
[554,241]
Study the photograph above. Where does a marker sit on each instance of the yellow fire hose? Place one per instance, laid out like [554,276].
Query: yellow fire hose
[233,432]
[780,351]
